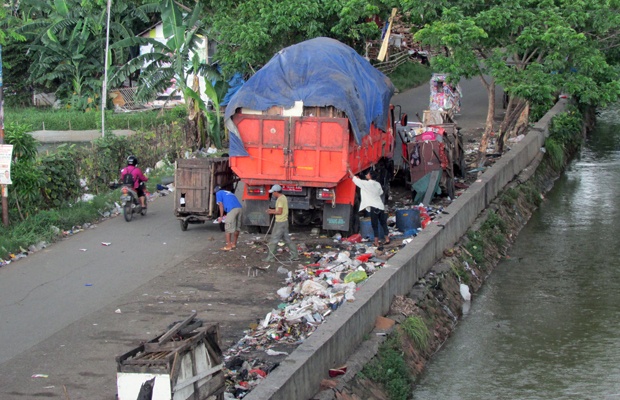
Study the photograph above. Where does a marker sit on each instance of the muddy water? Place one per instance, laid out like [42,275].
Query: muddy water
[546,325]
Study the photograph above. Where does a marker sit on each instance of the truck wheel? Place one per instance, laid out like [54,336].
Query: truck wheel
[354,224]
[184,225]
[254,229]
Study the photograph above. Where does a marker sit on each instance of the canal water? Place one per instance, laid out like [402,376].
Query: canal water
[546,324]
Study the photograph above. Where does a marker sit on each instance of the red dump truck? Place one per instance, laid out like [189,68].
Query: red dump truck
[314,111]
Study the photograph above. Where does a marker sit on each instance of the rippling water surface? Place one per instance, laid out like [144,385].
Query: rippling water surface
[546,325]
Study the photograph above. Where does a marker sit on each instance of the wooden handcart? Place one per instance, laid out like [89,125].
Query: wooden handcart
[194,181]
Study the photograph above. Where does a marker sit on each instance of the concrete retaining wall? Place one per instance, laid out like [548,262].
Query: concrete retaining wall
[299,375]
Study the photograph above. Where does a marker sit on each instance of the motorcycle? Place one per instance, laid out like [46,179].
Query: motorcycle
[130,202]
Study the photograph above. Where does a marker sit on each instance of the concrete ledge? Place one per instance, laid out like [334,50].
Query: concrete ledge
[300,374]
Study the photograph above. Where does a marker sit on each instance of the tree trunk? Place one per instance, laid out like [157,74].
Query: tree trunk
[514,111]
[488,128]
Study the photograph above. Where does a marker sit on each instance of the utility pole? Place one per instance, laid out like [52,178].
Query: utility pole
[104,94]
[4,188]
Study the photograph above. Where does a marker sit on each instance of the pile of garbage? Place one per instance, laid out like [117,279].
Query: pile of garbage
[312,293]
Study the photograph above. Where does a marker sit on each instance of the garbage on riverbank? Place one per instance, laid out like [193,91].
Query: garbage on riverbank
[312,293]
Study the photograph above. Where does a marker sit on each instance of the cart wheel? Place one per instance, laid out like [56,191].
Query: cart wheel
[184,225]
[143,211]
[127,212]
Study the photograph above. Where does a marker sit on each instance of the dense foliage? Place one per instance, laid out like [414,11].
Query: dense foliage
[56,179]
[534,49]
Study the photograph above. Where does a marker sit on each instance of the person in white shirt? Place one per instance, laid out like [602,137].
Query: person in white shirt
[371,201]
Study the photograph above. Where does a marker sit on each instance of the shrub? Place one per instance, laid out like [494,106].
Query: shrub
[62,184]
[567,125]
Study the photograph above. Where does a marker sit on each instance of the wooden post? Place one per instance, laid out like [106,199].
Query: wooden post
[5,190]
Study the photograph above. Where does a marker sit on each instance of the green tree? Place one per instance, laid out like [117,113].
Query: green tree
[250,32]
[534,49]
[9,44]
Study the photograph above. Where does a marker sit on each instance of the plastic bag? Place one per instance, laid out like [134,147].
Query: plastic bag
[356,276]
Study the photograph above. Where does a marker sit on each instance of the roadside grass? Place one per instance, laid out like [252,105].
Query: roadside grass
[40,118]
[48,226]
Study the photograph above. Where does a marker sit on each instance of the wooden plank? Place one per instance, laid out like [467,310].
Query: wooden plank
[430,190]
[199,376]
[166,336]
[386,39]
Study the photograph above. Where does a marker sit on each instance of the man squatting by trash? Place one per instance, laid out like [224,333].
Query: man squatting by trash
[371,192]
[229,204]
[280,228]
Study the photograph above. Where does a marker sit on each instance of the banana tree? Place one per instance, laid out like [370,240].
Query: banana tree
[172,61]
[72,60]
[68,43]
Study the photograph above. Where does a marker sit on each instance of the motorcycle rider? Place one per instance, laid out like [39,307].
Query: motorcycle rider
[138,178]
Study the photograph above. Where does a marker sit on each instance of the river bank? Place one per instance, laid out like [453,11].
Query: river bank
[387,365]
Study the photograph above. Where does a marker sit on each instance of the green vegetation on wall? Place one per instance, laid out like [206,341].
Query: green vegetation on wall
[390,369]
[564,136]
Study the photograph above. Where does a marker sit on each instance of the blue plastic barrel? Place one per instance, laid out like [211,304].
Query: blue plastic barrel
[366,229]
[408,221]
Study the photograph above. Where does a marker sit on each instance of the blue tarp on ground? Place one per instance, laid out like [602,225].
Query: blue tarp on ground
[319,72]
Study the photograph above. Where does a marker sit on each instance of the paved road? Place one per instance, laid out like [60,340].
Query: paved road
[57,307]
[47,292]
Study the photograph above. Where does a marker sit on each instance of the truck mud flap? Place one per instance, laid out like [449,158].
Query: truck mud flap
[337,218]
[255,213]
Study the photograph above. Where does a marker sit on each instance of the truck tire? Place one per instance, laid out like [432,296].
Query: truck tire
[254,229]
[354,221]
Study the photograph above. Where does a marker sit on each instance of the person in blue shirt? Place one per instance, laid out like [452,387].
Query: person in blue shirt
[229,205]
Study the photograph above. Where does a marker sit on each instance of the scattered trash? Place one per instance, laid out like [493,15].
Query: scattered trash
[118,311]
[516,139]
[275,353]
[106,243]
[334,372]
[465,292]
[40,376]
[88,284]
[82,249]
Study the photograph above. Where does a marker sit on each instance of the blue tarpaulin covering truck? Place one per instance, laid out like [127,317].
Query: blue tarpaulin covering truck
[314,111]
